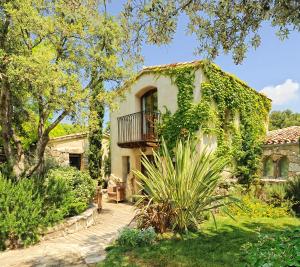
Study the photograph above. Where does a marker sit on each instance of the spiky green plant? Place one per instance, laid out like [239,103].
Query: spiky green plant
[179,190]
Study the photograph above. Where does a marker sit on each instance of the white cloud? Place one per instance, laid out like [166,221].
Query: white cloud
[282,93]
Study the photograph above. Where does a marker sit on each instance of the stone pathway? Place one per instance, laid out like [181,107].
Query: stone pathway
[83,248]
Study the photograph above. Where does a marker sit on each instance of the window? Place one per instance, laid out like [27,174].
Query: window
[283,167]
[125,167]
[149,101]
[75,160]
[268,167]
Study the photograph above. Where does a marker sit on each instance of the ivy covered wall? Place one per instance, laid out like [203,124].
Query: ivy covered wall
[229,109]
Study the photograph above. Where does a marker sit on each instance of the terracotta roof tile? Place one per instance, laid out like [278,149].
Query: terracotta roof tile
[283,136]
[172,65]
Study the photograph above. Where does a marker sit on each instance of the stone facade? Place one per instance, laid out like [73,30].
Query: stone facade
[72,150]
[281,154]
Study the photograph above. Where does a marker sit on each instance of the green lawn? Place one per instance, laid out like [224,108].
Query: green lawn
[212,247]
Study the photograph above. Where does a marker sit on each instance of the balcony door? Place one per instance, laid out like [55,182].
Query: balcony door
[149,114]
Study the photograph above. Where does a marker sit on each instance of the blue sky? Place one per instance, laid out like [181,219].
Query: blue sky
[274,67]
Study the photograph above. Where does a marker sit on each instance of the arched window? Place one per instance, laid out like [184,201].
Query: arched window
[268,167]
[149,114]
[149,101]
[283,167]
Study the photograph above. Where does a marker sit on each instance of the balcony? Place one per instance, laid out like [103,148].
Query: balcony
[138,130]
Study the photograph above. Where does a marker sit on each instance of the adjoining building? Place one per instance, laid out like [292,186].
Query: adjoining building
[281,154]
[72,149]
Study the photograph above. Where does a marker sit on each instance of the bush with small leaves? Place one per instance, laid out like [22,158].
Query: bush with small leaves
[293,193]
[275,249]
[133,237]
[21,216]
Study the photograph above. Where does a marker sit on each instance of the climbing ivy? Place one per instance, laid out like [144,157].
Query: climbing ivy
[229,110]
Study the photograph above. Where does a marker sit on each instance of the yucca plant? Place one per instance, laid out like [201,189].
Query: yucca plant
[178,191]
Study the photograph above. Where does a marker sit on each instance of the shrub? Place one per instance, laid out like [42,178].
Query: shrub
[276,194]
[30,205]
[293,193]
[256,208]
[78,186]
[20,213]
[132,237]
[178,194]
[276,249]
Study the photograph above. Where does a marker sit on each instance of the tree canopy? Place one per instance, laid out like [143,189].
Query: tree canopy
[220,26]
[282,119]
[52,55]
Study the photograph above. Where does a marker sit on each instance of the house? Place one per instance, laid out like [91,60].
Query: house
[281,154]
[72,149]
[176,100]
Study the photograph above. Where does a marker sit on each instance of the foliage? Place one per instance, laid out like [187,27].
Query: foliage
[20,213]
[283,119]
[28,206]
[132,237]
[177,194]
[209,248]
[95,134]
[276,194]
[276,249]
[219,26]
[256,208]
[79,184]
[229,110]
[63,129]
[53,54]
[293,192]
[260,202]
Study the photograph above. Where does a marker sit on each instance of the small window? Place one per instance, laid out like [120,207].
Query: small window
[125,166]
[75,160]
[283,167]
[268,167]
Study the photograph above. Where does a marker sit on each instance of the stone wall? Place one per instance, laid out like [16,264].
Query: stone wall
[276,152]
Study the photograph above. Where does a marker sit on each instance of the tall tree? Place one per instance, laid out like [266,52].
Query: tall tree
[52,55]
[95,134]
[218,25]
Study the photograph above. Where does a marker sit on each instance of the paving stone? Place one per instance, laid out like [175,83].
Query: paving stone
[80,249]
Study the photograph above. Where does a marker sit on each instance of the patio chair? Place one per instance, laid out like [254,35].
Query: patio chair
[116,193]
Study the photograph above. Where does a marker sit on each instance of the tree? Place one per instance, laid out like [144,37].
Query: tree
[52,55]
[219,25]
[282,119]
[95,134]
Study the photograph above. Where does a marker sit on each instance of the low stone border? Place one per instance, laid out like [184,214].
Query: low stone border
[73,224]
[273,181]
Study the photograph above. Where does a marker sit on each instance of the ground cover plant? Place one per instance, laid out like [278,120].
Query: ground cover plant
[28,206]
[224,246]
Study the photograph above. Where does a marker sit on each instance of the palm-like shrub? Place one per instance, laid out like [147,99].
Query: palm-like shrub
[179,190]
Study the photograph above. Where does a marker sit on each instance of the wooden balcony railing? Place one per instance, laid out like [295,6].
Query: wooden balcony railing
[138,129]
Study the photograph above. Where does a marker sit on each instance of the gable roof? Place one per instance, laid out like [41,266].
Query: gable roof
[75,136]
[283,136]
[194,63]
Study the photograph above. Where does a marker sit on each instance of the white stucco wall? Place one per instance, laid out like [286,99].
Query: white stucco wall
[166,96]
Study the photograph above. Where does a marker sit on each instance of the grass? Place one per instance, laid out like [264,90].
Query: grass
[211,247]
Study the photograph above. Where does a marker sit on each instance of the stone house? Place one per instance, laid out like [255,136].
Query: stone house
[144,99]
[72,149]
[281,153]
